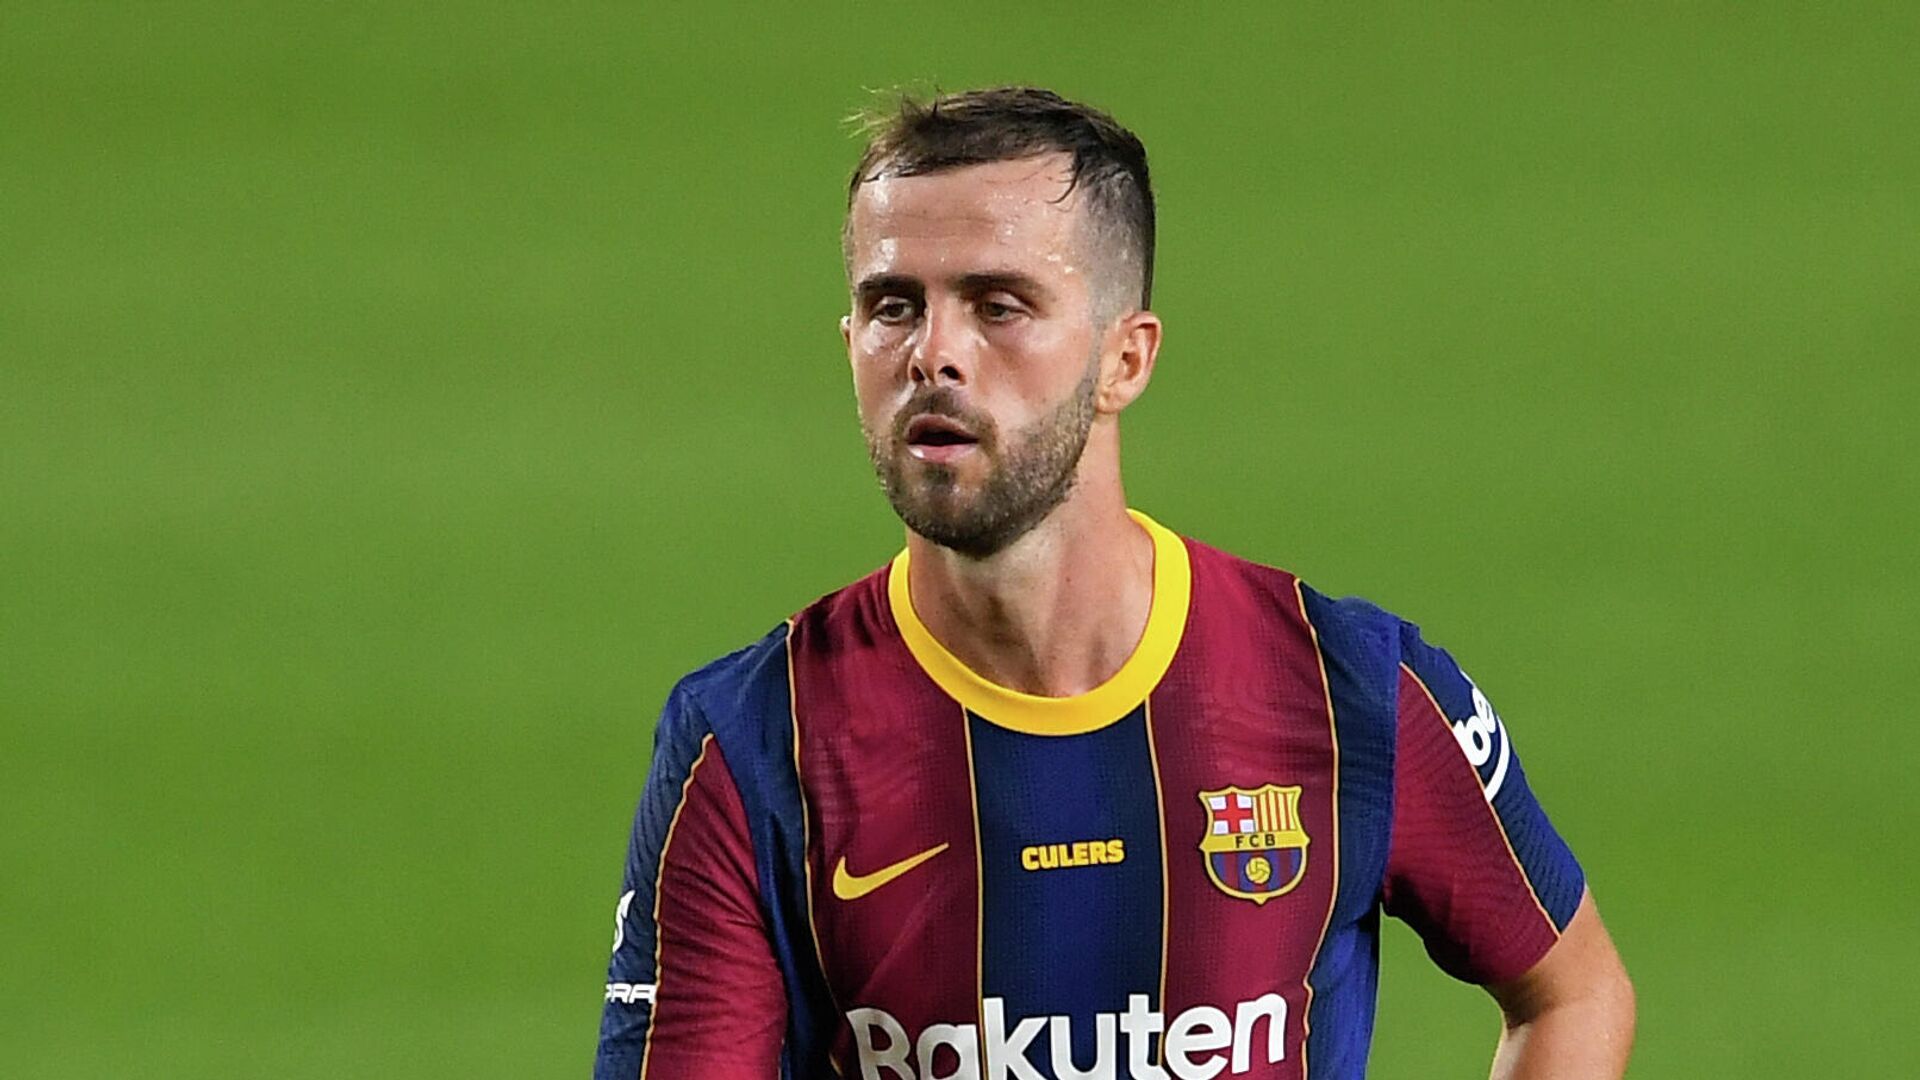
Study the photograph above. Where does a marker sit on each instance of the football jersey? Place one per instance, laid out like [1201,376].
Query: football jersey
[856,857]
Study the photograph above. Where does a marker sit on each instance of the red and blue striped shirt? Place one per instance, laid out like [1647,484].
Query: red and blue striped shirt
[856,857]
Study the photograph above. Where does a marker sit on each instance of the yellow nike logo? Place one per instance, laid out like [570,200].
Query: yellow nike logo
[852,887]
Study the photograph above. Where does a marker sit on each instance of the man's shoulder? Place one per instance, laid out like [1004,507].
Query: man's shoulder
[1351,632]
[1363,644]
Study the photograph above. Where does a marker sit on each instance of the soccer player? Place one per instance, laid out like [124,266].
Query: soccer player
[1058,793]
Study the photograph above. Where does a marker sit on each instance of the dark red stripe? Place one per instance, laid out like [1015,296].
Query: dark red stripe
[1244,705]
[879,746]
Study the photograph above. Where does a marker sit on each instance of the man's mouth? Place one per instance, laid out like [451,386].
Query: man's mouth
[936,438]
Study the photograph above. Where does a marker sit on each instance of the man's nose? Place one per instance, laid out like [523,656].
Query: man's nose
[943,346]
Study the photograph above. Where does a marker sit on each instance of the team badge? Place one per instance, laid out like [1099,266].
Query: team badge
[1254,845]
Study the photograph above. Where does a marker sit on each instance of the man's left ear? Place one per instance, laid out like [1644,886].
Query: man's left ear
[1133,344]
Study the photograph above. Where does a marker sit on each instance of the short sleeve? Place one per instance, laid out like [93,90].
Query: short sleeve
[1474,866]
[693,989]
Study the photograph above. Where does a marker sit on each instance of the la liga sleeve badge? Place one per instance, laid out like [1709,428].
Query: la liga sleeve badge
[1254,846]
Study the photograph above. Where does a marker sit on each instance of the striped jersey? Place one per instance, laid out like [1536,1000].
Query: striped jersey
[856,857]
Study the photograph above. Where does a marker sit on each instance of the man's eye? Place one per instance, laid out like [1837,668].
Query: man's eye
[995,311]
[892,310]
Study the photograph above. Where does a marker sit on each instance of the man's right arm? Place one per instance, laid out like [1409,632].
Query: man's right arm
[692,989]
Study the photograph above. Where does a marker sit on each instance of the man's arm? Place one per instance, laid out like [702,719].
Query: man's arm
[1571,1015]
[693,991]
[1477,869]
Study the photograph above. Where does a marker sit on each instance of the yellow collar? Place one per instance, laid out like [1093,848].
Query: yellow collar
[1098,707]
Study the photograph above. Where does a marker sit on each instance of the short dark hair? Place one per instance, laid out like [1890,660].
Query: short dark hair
[1006,123]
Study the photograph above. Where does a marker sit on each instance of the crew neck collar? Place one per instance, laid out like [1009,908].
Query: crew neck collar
[1039,715]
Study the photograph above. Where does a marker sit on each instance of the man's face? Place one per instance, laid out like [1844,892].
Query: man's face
[974,345]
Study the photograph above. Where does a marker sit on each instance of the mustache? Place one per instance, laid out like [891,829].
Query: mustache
[942,401]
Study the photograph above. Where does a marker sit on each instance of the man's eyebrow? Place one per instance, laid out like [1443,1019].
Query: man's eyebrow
[970,284]
[1012,281]
[881,284]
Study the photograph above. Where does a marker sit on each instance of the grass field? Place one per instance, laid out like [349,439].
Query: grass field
[393,403]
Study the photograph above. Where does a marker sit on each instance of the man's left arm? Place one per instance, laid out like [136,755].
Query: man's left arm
[1571,1014]
[1477,869]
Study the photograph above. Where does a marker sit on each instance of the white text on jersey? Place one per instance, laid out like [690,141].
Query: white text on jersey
[1197,1045]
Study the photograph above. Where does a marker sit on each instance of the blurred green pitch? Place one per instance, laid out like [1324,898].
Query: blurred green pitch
[393,403]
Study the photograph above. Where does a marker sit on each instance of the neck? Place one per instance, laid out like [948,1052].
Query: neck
[1057,612]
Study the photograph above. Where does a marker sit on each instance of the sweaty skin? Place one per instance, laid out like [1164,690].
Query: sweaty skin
[969,282]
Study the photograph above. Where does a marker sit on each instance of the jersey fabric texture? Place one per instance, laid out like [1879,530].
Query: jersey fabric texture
[854,856]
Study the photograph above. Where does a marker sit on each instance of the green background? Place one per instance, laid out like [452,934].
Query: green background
[393,403]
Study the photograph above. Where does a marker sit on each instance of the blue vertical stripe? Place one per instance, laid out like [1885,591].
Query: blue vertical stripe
[1073,940]
[1359,646]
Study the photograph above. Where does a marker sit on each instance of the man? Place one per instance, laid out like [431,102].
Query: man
[1058,793]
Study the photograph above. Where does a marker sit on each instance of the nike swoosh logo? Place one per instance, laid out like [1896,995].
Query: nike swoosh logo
[854,886]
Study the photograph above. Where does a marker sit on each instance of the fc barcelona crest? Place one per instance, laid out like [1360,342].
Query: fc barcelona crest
[1254,845]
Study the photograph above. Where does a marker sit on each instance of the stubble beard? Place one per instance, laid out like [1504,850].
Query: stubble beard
[1028,476]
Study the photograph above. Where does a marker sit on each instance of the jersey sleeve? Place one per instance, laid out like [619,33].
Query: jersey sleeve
[693,990]
[1473,866]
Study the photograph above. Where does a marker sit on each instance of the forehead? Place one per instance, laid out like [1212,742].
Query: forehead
[1005,211]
